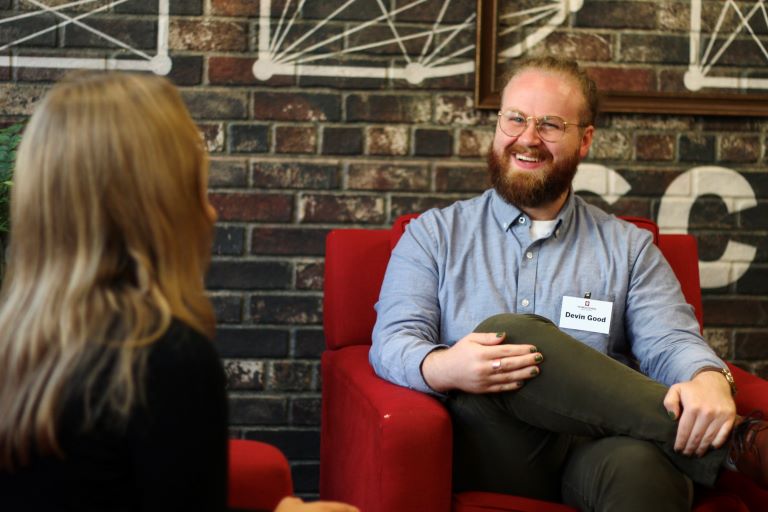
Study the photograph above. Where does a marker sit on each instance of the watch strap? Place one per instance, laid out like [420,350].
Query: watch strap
[724,371]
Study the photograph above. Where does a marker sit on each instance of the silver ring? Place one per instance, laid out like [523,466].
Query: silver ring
[496,365]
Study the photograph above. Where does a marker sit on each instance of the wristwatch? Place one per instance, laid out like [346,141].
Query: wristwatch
[724,371]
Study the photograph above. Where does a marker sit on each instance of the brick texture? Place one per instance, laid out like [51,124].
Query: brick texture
[295,156]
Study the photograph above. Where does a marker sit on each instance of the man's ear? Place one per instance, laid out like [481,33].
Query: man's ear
[586,141]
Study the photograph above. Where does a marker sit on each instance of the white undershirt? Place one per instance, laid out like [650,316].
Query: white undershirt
[542,228]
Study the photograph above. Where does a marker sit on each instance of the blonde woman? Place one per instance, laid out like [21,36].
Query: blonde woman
[111,394]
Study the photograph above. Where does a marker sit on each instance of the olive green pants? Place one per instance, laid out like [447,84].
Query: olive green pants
[587,430]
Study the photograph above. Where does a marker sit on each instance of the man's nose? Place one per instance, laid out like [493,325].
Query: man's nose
[530,135]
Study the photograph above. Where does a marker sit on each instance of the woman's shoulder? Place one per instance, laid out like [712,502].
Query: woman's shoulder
[181,338]
[180,350]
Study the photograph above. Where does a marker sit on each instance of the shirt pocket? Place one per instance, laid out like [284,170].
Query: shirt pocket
[597,340]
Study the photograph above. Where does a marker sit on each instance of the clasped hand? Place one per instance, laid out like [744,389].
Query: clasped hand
[481,363]
[708,412]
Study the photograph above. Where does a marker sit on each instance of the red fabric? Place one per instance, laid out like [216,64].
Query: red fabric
[492,502]
[681,251]
[353,276]
[385,448]
[646,224]
[259,475]
[734,485]
[398,227]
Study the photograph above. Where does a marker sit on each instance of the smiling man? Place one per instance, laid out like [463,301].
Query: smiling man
[528,311]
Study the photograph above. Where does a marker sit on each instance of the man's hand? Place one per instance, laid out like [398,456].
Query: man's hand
[708,412]
[479,363]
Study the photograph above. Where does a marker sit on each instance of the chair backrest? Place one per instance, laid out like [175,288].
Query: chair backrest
[681,251]
[355,262]
[356,259]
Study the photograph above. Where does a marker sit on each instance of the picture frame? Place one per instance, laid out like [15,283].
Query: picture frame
[488,74]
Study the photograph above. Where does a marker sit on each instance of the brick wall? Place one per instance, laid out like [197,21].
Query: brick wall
[293,157]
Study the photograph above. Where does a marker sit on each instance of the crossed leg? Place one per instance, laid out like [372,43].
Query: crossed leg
[556,428]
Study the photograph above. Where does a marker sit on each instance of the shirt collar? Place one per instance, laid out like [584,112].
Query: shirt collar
[508,215]
[505,214]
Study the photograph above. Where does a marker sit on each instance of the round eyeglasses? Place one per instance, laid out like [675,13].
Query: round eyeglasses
[549,128]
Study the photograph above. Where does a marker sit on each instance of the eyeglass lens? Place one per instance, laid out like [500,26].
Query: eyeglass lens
[550,128]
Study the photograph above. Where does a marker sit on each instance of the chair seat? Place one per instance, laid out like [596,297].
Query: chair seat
[709,500]
[488,502]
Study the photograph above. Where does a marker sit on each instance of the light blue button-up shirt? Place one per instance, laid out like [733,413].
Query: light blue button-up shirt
[456,266]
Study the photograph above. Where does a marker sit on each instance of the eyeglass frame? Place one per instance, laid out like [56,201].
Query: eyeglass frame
[566,124]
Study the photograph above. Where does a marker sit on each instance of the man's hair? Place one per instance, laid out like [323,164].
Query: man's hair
[110,239]
[566,67]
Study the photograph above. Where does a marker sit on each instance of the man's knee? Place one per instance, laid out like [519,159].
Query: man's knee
[619,473]
[519,327]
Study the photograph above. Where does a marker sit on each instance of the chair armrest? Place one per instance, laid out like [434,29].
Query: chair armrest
[383,447]
[752,395]
[259,476]
[752,391]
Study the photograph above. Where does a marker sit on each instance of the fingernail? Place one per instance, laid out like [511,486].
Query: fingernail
[500,334]
[539,358]
[534,349]
[534,371]
[672,415]
[520,384]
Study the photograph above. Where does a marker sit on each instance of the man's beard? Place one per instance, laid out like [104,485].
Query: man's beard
[530,189]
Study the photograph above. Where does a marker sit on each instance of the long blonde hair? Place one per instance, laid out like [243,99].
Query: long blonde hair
[110,239]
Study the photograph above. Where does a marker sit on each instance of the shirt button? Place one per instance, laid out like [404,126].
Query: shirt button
[529,255]
[525,303]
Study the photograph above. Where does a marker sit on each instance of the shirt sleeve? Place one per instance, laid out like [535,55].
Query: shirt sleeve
[665,333]
[180,436]
[408,322]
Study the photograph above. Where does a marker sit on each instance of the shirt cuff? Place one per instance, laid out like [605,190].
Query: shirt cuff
[705,363]
[413,373]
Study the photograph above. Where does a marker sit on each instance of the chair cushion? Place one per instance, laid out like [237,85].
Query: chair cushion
[488,501]
[707,500]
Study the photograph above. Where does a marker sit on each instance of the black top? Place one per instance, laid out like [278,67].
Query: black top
[171,455]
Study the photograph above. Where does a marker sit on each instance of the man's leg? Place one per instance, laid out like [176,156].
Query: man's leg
[584,393]
[496,452]
[621,473]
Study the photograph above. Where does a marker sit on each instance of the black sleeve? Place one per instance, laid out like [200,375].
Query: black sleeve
[180,436]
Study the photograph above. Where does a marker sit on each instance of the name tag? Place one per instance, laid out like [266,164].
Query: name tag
[586,314]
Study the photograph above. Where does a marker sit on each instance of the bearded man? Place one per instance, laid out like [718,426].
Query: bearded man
[556,334]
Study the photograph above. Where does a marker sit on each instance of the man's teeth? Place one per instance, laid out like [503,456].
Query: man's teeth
[526,158]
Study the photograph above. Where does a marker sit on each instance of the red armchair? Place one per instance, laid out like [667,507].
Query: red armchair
[259,476]
[387,448]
